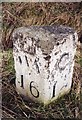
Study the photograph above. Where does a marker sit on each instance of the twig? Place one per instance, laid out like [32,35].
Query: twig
[9,110]
[7,115]
[12,15]
[27,107]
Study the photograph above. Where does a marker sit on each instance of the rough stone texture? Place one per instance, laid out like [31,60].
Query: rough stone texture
[44,60]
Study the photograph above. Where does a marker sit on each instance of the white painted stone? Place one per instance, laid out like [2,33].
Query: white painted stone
[44,60]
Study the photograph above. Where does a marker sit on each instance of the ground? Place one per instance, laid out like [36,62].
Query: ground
[23,14]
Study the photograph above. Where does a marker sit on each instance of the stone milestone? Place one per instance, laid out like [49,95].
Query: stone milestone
[44,60]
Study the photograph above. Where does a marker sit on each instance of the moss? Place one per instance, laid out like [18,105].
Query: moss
[8,61]
[80,61]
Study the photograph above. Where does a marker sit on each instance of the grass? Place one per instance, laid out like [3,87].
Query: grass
[9,62]
[24,14]
[79,56]
[16,106]
[80,62]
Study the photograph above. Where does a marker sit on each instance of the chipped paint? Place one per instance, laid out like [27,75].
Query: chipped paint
[44,60]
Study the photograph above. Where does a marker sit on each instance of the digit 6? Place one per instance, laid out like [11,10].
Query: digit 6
[32,88]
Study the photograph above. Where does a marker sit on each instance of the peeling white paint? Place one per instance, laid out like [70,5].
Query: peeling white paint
[44,60]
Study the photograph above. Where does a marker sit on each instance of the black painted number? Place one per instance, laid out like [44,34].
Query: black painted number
[20,60]
[53,94]
[33,88]
[22,81]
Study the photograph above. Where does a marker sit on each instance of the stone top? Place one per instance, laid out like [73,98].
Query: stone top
[44,37]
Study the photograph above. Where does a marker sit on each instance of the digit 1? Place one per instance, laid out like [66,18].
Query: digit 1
[22,81]
[20,59]
[53,95]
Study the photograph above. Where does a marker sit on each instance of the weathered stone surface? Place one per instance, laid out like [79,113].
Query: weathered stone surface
[44,60]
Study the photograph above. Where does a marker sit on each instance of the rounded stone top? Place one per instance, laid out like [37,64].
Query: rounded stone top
[44,37]
[56,29]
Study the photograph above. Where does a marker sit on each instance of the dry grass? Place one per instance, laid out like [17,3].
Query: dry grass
[24,14]
[14,106]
